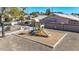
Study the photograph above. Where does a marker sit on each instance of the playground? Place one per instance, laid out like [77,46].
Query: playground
[37,33]
[51,41]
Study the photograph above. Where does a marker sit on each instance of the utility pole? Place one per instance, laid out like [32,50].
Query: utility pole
[2,26]
[1,21]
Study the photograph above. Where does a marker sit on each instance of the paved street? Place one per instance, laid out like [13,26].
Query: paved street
[14,43]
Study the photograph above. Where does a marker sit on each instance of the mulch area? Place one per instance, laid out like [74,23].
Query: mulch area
[48,41]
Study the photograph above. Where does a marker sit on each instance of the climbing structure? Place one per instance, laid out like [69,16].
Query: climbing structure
[38,29]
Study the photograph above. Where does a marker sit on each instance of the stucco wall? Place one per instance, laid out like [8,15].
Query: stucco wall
[67,27]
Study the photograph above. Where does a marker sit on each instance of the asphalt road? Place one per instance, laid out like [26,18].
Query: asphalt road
[14,43]
[69,43]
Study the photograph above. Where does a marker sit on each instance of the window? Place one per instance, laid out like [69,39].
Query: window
[73,22]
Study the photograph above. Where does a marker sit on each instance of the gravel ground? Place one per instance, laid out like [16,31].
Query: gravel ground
[14,43]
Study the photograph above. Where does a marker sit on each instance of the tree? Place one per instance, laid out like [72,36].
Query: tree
[22,10]
[48,12]
[6,14]
[15,12]
[22,14]
[42,13]
[35,14]
[7,18]
[21,18]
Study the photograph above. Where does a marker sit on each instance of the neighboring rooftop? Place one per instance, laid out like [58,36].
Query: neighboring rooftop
[67,16]
[40,17]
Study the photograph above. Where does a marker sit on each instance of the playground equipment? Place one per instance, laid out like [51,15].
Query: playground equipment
[38,29]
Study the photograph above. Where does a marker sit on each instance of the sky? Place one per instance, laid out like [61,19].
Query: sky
[67,10]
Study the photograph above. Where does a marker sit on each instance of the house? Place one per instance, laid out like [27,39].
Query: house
[29,21]
[61,18]
[40,17]
[62,22]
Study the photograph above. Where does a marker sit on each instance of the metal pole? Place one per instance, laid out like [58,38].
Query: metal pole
[3,34]
[2,25]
